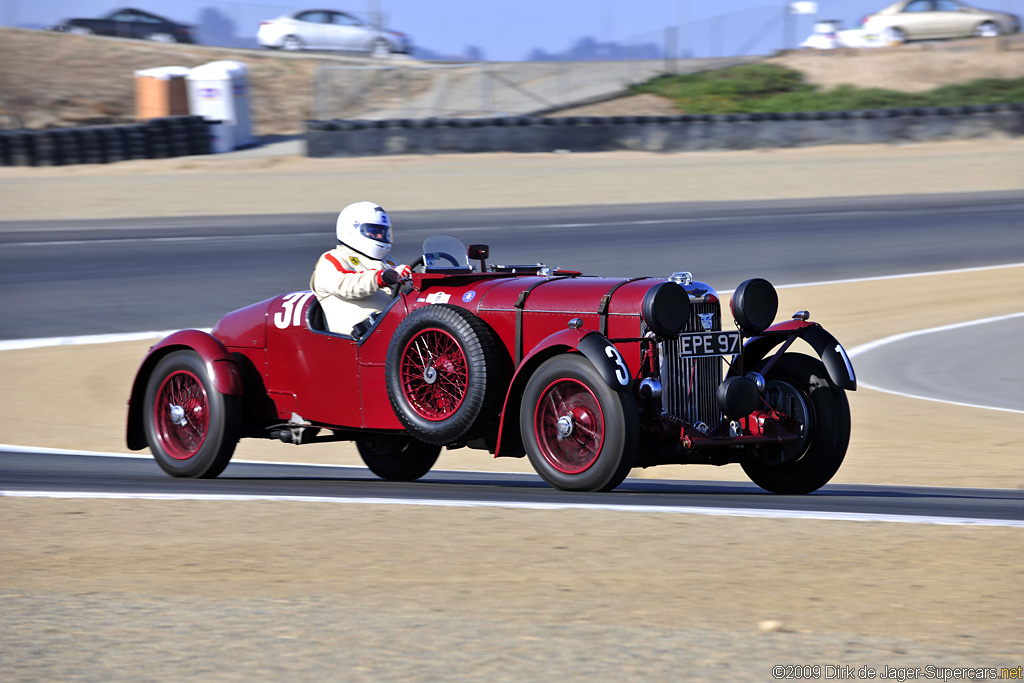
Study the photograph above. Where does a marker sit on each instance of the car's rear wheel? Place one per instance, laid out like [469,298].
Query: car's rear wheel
[292,44]
[798,387]
[191,428]
[579,434]
[80,31]
[380,48]
[894,36]
[987,29]
[397,458]
[161,37]
[443,374]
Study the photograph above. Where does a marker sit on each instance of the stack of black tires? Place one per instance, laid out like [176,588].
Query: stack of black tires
[160,138]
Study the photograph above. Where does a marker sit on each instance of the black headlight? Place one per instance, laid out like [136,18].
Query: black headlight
[754,305]
[666,309]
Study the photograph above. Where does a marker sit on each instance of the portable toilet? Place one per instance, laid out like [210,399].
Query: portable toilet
[161,91]
[219,91]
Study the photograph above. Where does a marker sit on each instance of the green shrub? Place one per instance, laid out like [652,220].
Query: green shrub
[769,88]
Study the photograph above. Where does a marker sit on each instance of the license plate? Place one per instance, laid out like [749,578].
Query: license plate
[708,344]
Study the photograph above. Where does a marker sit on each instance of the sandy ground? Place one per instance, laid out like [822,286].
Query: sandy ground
[293,184]
[121,590]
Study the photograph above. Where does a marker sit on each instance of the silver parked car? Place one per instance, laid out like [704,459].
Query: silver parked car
[933,19]
[322,29]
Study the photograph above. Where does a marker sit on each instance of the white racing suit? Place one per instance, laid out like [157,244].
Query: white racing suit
[349,287]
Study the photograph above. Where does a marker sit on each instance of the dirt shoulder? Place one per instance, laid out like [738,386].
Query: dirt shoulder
[221,185]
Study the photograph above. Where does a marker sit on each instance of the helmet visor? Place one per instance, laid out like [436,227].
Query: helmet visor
[376,231]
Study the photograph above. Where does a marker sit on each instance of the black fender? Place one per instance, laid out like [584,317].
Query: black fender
[828,348]
[594,346]
[607,359]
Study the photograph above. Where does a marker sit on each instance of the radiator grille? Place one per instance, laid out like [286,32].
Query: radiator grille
[689,385]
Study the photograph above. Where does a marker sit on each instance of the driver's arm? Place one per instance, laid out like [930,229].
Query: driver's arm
[332,278]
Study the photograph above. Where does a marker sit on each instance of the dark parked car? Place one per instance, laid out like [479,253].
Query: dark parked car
[130,23]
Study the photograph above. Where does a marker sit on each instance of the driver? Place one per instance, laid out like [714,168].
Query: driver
[350,280]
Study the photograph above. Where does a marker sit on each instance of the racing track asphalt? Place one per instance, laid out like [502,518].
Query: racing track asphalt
[59,279]
[25,472]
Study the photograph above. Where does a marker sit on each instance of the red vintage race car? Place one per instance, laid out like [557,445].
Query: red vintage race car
[586,376]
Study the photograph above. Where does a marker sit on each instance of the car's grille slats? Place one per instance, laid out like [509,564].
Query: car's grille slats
[689,384]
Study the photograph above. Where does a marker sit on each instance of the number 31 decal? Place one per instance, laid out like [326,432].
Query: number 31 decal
[291,310]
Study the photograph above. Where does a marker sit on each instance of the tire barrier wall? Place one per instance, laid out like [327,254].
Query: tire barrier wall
[342,138]
[159,138]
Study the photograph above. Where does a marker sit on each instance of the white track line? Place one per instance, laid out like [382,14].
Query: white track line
[431,502]
[871,346]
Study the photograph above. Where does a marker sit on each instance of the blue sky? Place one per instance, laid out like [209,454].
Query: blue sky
[508,31]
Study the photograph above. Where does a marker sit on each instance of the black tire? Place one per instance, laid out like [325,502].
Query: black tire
[397,458]
[579,434]
[443,374]
[380,49]
[292,44]
[198,440]
[799,386]
[988,29]
[897,36]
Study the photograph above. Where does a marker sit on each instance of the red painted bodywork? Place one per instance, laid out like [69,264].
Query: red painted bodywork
[334,381]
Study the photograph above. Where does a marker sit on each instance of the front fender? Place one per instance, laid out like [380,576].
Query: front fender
[831,352]
[221,368]
[594,346]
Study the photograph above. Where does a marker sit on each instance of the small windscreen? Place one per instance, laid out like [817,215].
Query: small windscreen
[445,252]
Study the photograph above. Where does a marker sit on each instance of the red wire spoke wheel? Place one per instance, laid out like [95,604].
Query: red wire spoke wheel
[181,414]
[444,374]
[191,428]
[579,433]
[569,426]
[434,374]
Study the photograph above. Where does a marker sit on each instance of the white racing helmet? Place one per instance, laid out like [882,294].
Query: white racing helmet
[365,227]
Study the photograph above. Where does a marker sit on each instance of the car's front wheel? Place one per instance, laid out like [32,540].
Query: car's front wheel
[799,388]
[987,29]
[579,434]
[191,428]
[161,37]
[397,458]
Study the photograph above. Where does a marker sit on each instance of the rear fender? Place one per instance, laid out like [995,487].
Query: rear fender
[221,368]
[594,346]
[831,352]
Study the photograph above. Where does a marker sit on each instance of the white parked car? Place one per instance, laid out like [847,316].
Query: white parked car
[933,19]
[330,30]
